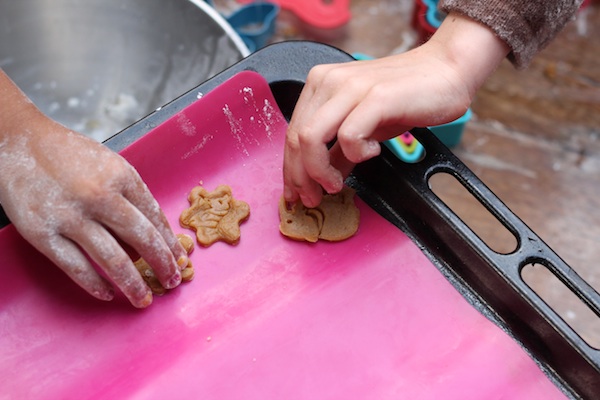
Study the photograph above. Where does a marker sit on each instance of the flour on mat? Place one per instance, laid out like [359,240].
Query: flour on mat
[265,113]
[185,125]
[236,129]
[197,147]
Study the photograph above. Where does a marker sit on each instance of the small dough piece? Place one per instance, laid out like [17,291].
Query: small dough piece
[187,274]
[186,241]
[335,219]
[299,223]
[214,215]
[341,216]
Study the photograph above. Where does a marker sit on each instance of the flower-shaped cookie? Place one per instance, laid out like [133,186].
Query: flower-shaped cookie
[214,215]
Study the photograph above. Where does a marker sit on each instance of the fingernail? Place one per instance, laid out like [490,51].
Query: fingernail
[146,301]
[174,281]
[287,192]
[336,185]
[372,149]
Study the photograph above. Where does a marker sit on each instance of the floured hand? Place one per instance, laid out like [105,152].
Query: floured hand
[69,196]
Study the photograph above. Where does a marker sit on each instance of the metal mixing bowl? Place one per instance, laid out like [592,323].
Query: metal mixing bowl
[99,65]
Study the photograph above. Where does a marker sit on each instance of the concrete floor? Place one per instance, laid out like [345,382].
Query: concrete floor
[533,140]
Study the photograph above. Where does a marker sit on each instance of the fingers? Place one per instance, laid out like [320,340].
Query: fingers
[97,202]
[131,215]
[355,135]
[339,160]
[106,251]
[133,227]
[69,258]
[349,102]
[297,183]
[311,167]
[141,224]
[308,168]
[369,124]
[140,197]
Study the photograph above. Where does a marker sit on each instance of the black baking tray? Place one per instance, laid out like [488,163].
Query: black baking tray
[400,192]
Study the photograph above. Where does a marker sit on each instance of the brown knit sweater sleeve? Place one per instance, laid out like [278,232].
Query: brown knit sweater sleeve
[526,26]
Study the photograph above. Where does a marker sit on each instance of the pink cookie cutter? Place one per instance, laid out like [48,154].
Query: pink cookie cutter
[325,14]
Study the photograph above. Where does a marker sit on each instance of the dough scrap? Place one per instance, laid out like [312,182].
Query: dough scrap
[187,274]
[214,215]
[335,219]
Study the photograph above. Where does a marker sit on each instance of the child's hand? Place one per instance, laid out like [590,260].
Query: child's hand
[365,102]
[70,196]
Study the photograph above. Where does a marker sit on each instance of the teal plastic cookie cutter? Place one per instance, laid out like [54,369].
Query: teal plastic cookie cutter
[433,15]
[406,148]
[254,22]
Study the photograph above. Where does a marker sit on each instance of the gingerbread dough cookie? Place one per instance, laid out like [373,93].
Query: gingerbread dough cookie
[336,218]
[187,274]
[214,215]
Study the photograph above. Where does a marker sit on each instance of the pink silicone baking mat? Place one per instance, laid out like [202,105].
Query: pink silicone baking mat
[268,318]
